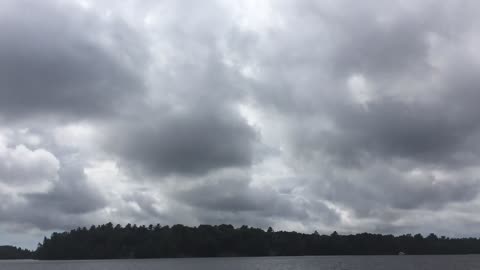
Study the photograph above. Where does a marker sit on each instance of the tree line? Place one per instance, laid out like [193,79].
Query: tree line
[110,241]
[14,253]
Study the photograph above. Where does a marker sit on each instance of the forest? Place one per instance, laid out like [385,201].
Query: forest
[155,241]
[110,241]
[14,253]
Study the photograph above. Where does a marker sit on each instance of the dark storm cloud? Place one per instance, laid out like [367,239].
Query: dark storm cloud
[191,142]
[390,129]
[62,61]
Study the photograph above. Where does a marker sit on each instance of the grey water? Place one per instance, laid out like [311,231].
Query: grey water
[452,262]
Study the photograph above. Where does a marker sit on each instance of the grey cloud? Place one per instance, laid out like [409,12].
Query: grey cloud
[66,205]
[368,45]
[372,191]
[390,129]
[190,125]
[441,129]
[72,194]
[418,111]
[234,194]
[160,85]
[191,142]
[57,62]
[421,116]
[229,197]
[29,217]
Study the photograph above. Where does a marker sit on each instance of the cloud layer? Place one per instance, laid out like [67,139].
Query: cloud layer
[303,116]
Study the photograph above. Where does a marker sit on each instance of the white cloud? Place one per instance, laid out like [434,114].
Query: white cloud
[360,90]
[25,170]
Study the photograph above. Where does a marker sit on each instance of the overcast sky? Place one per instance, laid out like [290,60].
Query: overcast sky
[301,115]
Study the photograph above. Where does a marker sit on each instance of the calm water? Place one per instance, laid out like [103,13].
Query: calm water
[267,263]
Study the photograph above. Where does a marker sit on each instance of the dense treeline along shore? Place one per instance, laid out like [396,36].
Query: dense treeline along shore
[115,242]
[14,253]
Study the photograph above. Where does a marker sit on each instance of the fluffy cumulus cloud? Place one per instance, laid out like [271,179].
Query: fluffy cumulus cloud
[23,167]
[300,115]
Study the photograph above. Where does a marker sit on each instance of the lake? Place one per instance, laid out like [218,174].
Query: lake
[467,262]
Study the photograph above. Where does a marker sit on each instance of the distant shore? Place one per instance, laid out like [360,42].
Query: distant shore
[110,241]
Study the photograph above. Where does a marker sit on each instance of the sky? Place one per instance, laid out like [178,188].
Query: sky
[302,115]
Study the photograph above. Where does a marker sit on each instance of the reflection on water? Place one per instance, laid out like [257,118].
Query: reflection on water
[471,262]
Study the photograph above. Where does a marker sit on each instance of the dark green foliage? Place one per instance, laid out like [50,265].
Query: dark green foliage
[155,241]
[14,253]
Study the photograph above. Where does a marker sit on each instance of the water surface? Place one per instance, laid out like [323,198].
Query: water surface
[467,262]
